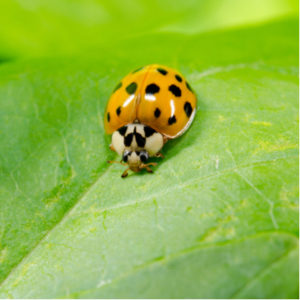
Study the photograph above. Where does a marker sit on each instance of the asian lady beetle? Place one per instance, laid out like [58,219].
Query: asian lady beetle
[148,107]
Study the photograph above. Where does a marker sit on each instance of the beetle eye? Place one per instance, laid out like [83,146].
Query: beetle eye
[125,156]
[144,156]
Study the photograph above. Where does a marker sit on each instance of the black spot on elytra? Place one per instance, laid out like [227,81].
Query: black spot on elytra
[178,77]
[131,88]
[148,131]
[122,130]
[152,88]
[175,90]
[188,86]
[128,139]
[140,140]
[157,112]
[118,110]
[108,117]
[188,109]
[138,69]
[162,71]
[172,120]
[117,86]
[137,153]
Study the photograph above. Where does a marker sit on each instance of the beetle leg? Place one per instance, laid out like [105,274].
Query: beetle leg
[159,154]
[151,164]
[165,139]
[146,166]
[117,162]
[149,170]
[125,173]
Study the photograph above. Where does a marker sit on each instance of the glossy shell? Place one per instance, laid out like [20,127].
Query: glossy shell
[154,95]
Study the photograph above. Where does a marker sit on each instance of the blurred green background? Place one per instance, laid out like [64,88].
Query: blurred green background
[219,216]
[51,27]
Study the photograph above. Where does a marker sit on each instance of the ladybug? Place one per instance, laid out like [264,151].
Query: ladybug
[148,107]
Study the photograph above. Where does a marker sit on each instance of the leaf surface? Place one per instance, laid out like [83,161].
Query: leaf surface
[219,216]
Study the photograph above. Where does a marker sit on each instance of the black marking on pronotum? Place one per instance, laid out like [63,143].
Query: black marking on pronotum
[178,77]
[140,140]
[117,86]
[148,131]
[118,110]
[128,139]
[188,86]
[152,88]
[157,112]
[122,130]
[131,88]
[138,69]
[188,108]
[108,117]
[172,120]
[162,71]
[175,90]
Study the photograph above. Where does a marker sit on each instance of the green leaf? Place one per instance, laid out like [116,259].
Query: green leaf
[219,216]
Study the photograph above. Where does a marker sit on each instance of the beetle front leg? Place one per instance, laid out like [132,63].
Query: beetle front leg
[125,173]
[146,166]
